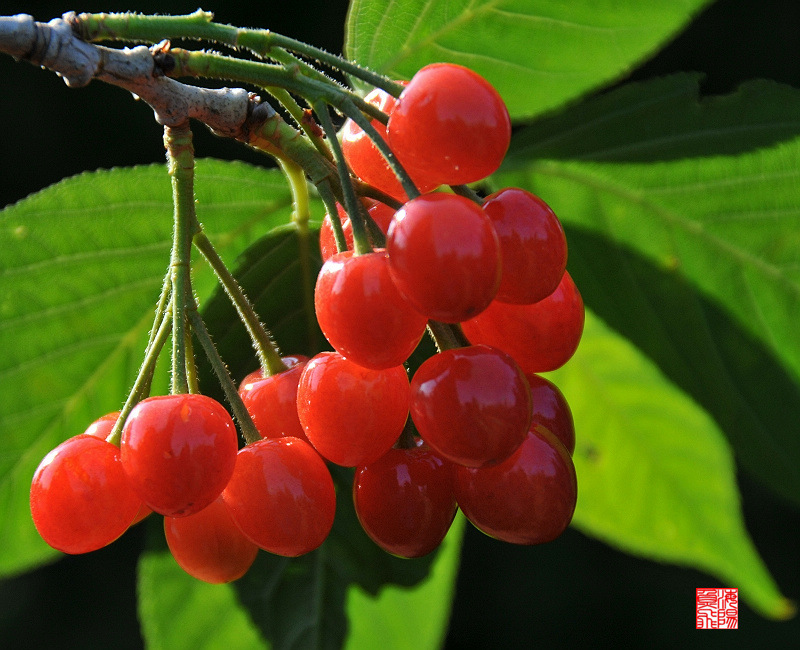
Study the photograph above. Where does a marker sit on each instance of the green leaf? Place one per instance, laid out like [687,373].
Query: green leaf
[656,476]
[664,119]
[80,273]
[539,55]
[695,258]
[410,618]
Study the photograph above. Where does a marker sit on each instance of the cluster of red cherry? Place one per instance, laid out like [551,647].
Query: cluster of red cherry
[490,436]
[486,433]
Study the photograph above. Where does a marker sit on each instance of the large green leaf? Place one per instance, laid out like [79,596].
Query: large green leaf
[664,119]
[694,257]
[656,476]
[81,268]
[538,54]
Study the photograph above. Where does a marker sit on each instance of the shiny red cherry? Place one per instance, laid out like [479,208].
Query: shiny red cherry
[351,414]
[178,452]
[449,125]
[444,256]
[404,500]
[533,244]
[367,162]
[209,546]
[527,499]
[361,312]
[80,498]
[472,405]
[551,410]
[272,401]
[540,337]
[281,496]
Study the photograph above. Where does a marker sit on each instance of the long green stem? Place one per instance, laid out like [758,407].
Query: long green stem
[180,161]
[303,120]
[145,374]
[328,198]
[267,351]
[300,217]
[355,114]
[249,430]
[269,132]
[164,304]
[200,25]
[361,243]
[191,366]
[188,63]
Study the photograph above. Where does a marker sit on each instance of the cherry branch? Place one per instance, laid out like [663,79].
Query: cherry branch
[53,45]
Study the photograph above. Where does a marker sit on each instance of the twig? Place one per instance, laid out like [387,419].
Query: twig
[54,46]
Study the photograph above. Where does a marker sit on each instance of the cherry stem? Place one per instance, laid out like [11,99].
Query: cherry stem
[199,25]
[302,119]
[141,386]
[408,437]
[177,62]
[467,192]
[326,194]
[164,304]
[447,336]
[353,112]
[249,431]
[191,366]
[268,132]
[301,213]
[361,243]
[180,162]
[267,351]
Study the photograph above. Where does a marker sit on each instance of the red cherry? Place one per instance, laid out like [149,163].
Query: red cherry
[444,256]
[533,244]
[540,337]
[449,125]
[101,428]
[81,499]
[380,212]
[281,496]
[272,401]
[367,162]
[527,499]
[178,452]
[361,312]
[472,405]
[351,414]
[551,410]
[209,546]
[404,500]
